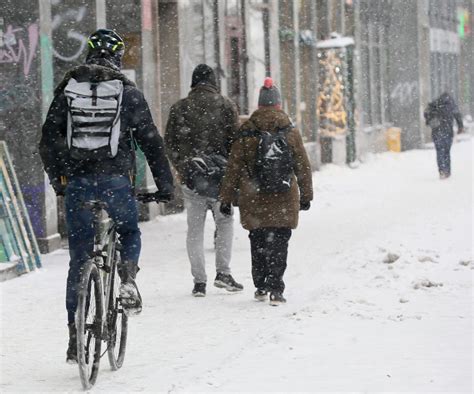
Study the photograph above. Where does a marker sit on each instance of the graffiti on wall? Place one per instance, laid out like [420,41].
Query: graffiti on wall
[18,49]
[18,45]
[331,109]
[404,93]
[65,24]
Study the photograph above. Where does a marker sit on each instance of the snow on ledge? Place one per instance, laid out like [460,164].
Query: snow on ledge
[336,41]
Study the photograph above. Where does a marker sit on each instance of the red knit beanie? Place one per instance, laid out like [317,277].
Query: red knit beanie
[269,94]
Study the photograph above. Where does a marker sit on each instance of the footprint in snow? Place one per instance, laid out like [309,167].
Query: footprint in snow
[426,283]
[425,259]
[390,258]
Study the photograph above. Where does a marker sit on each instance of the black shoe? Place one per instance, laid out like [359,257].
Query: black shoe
[199,290]
[225,281]
[276,298]
[71,352]
[130,297]
[260,295]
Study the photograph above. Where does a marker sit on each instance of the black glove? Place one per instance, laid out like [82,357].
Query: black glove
[226,209]
[59,188]
[305,205]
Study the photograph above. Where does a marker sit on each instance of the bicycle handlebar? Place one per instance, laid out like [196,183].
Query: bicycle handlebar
[150,197]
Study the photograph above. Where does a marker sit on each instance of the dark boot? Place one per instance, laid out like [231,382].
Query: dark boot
[71,352]
[129,294]
[260,294]
[276,298]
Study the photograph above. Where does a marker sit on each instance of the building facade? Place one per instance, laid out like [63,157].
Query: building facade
[399,55]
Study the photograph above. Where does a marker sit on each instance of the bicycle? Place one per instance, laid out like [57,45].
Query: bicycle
[100,316]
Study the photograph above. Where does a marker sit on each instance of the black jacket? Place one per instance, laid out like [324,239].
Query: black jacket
[440,115]
[136,121]
[205,122]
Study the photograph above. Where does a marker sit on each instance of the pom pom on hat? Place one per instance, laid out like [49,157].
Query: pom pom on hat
[268,82]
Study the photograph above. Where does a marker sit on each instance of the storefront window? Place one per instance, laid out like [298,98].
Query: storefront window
[72,23]
[124,16]
[235,53]
[444,57]
[365,85]
[374,65]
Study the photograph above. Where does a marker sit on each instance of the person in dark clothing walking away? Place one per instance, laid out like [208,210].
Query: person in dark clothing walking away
[269,199]
[87,148]
[198,138]
[440,115]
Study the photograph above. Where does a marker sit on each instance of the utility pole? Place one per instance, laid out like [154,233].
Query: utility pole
[48,238]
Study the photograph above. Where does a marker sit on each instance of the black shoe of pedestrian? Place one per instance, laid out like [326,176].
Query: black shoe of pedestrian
[71,352]
[199,290]
[226,281]
[260,295]
[276,298]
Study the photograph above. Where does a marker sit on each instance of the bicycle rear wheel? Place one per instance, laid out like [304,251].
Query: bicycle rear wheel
[117,320]
[89,324]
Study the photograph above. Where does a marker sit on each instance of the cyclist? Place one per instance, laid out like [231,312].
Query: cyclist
[88,151]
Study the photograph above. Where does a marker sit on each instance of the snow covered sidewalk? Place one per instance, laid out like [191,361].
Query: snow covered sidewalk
[379,289]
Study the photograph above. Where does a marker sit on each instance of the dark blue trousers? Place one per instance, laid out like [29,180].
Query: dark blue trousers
[443,143]
[116,191]
[269,248]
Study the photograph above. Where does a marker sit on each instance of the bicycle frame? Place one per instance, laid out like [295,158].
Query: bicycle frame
[105,236]
[101,270]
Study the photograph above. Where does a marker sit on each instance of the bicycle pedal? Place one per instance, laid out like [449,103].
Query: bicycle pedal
[132,311]
[128,301]
[106,268]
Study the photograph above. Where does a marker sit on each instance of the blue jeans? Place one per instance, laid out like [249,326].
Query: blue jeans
[116,191]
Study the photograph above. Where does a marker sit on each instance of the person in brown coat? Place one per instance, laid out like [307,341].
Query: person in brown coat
[269,217]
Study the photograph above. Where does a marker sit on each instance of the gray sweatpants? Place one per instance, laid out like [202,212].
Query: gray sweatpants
[196,207]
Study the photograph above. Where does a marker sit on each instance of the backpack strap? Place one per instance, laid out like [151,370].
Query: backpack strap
[245,134]
[286,129]
[258,133]
[250,133]
[94,93]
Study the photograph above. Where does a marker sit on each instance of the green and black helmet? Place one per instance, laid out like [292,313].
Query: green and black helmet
[106,40]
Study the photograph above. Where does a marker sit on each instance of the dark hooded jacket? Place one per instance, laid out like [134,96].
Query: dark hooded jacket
[136,126]
[260,210]
[440,115]
[204,122]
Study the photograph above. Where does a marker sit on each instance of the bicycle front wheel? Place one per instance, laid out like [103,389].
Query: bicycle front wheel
[89,324]
[117,320]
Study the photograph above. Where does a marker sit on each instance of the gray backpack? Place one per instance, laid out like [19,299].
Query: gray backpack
[93,127]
